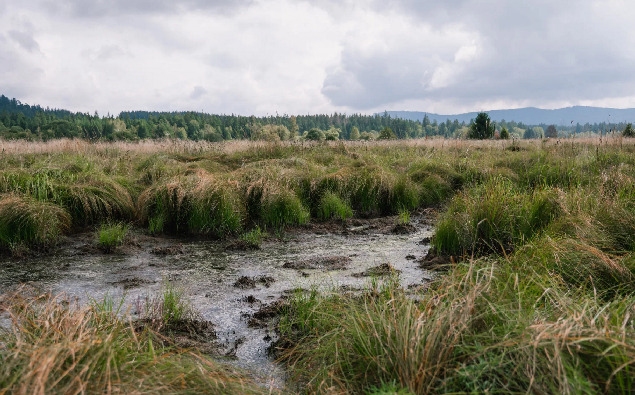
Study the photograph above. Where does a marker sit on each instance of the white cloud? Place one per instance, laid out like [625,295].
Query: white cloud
[298,57]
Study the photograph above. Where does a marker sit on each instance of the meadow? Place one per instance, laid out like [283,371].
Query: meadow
[538,297]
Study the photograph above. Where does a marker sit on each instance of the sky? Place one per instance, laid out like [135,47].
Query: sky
[295,57]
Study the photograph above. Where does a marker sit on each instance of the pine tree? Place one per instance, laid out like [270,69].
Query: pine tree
[481,128]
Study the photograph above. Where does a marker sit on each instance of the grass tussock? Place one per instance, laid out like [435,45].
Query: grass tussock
[55,346]
[494,217]
[482,328]
[383,336]
[111,236]
[253,238]
[197,203]
[92,200]
[26,221]
[167,310]
[332,206]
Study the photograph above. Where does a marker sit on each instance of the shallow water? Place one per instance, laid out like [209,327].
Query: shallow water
[207,273]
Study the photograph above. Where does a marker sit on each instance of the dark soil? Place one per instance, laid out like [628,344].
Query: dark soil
[404,229]
[264,316]
[167,250]
[432,261]
[245,282]
[384,269]
[322,263]
[241,245]
[131,282]
[251,299]
[185,333]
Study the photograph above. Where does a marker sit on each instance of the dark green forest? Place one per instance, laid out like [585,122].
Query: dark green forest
[33,122]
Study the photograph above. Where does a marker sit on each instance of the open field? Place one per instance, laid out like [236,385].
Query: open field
[538,295]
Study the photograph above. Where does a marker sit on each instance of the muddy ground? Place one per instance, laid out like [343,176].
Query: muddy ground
[236,290]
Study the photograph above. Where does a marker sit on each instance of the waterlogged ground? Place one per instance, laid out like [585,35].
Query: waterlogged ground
[227,286]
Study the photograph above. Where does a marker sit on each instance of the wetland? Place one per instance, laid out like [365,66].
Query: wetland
[411,267]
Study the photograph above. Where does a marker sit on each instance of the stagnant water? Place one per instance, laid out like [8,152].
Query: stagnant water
[207,272]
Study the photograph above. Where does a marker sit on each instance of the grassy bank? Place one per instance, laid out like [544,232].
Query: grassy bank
[540,301]
[213,190]
[225,189]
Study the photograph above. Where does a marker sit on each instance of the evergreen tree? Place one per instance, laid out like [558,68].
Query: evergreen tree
[551,132]
[481,128]
[355,133]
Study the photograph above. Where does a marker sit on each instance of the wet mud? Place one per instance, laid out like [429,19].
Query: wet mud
[237,291]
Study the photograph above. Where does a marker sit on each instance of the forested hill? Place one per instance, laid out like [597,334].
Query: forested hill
[535,116]
[23,121]
[14,106]
[32,122]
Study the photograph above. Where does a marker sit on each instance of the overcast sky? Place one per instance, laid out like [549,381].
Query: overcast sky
[305,57]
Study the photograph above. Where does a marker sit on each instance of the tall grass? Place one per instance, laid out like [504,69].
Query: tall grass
[219,189]
[483,328]
[218,209]
[24,220]
[350,344]
[332,206]
[110,236]
[494,217]
[167,310]
[93,199]
[55,346]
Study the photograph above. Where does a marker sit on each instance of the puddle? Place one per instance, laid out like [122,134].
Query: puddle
[227,287]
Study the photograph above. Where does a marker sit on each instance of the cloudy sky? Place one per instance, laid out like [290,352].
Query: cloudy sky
[305,57]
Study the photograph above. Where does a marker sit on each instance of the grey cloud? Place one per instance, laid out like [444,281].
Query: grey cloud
[105,53]
[198,92]
[537,52]
[108,8]
[19,77]
[369,82]
[24,40]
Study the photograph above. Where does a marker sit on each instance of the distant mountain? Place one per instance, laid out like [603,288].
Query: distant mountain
[535,116]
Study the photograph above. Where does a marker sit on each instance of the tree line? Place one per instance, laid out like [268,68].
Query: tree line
[23,121]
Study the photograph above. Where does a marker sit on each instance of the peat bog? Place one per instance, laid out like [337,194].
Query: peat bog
[317,255]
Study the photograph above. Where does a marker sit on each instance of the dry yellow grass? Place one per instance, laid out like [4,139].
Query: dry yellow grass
[234,146]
